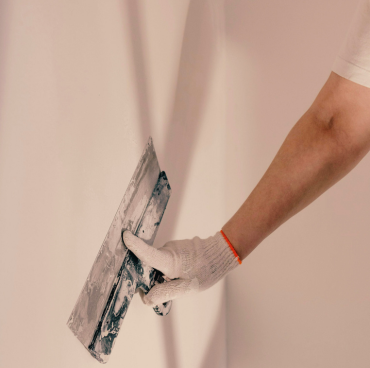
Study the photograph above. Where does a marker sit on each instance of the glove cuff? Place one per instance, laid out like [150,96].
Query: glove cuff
[231,247]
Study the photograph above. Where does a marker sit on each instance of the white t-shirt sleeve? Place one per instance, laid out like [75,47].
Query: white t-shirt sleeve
[353,60]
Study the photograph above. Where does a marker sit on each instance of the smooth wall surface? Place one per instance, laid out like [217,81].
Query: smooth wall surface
[218,84]
[301,298]
[83,85]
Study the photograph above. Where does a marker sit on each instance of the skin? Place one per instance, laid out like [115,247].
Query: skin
[327,142]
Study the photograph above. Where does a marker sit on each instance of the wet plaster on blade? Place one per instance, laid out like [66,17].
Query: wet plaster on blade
[133,275]
[116,272]
[94,295]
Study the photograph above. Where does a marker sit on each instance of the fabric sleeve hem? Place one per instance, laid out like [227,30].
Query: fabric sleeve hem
[351,71]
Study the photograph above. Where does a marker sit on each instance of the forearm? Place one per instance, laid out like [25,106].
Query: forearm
[325,144]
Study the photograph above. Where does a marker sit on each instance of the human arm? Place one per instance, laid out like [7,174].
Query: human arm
[323,146]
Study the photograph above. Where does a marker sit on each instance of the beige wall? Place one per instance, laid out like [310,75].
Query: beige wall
[83,84]
[218,84]
[301,298]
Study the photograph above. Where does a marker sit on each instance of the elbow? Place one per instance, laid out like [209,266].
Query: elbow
[341,112]
[347,134]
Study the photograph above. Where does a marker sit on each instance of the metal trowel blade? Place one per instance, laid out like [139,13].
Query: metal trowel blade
[93,300]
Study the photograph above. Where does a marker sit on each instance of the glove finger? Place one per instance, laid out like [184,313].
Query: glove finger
[167,291]
[160,260]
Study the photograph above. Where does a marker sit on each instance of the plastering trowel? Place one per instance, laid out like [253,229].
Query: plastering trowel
[117,273]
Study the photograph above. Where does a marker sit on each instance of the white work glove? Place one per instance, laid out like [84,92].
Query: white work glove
[195,264]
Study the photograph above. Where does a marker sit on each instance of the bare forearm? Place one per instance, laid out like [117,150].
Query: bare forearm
[325,144]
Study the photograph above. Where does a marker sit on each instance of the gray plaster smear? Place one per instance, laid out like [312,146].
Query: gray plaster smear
[117,273]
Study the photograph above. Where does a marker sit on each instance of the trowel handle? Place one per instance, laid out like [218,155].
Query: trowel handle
[145,278]
[162,309]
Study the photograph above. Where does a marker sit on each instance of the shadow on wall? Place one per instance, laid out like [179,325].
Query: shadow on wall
[193,83]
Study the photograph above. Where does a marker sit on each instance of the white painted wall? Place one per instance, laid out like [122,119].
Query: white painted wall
[301,299]
[83,84]
[218,84]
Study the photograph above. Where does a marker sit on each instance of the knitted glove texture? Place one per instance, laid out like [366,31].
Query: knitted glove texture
[193,264]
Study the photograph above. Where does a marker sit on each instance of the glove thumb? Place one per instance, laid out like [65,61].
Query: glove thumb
[156,258]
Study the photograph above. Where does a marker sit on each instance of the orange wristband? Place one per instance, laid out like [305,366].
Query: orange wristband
[231,247]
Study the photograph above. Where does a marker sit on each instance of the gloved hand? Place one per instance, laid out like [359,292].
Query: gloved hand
[195,264]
